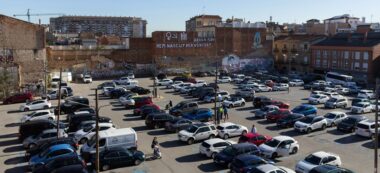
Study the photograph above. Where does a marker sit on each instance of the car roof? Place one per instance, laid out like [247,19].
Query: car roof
[243,145]
[283,138]
[312,116]
[251,135]
[116,132]
[214,140]
[367,122]
[322,154]
[226,124]
[52,130]
[266,167]
[60,146]
[357,117]
[336,112]
[247,157]
[325,168]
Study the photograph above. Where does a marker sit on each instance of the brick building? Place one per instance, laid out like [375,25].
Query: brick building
[22,50]
[355,54]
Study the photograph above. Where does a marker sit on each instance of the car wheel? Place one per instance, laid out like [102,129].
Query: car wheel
[46,107]
[83,140]
[295,150]
[308,130]
[50,118]
[156,126]
[230,106]
[213,155]
[32,145]
[323,126]
[105,167]
[211,136]
[242,104]
[26,109]
[27,101]
[190,141]
[274,156]
[333,124]
[138,162]
[225,136]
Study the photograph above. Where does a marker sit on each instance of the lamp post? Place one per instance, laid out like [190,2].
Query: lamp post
[59,95]
[376,142]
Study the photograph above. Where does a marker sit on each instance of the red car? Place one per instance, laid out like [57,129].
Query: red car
[137,111]
[141,101]
[278,114]
[280,104]
[19,98]
[254,138]
[269,83]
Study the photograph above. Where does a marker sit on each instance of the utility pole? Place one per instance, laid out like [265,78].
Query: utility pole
[59,99]
[377,88]
[216,94]
[97,130]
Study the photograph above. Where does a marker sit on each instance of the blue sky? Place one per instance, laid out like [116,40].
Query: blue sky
[172,14]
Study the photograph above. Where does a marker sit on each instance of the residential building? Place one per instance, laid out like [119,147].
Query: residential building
[356,54]
[331,26]
[120,26]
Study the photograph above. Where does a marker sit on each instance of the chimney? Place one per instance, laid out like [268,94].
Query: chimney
[365,37]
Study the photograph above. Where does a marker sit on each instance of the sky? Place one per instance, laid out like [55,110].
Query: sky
[170,15]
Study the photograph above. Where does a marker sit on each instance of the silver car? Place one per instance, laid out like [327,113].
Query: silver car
[46,135]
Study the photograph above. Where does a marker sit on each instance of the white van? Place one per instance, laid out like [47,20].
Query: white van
[126,137]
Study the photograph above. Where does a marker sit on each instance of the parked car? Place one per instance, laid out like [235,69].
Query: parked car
[83,135]
[141,101]
[305,109]
[277,103]
[279,146]
[211,147]
[246,162]
[198,132]
[150,110]
[358,100]
[310,123]
[43,146]
[318,158]
[183,107]
[318,99]
[54,94]
[258,101]
[234,102]
[343,91]
[269,83]
[38,115]
[200,83]
[174,84]
[349,124]
[164,82]
[71,104]
[18,98]
[288,121]
[105,84]
[140,90]
[226,156]
[296,82]
[44,136]
[362,107]
[75,120]
[78,168]
[119,157]
[224,79]
[52,153]
[35,105]
[227,130]
[277,114]
[138,111]
[262,88]
[336,102]
[200,114]
[59,162]
[178,124]
[280,87]
[158,120]
[87,79]
[368,94]
[127,99]
[270,168]
[329,169]
[36,127]
[263,112]
[366,129]
[118,92]
[334,118]
[254,138]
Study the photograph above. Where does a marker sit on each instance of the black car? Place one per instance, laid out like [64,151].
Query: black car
[178,124]
[161,76]
[71,104]
[225,157]
[59,162]
[140,90]
[204,92]
[158,120]
[329,169]
[180,78]
[307,86]
[69,91]
[105,84]
[258,102]
[289,120]
[42,147]
[36,127]
[245,162]
[88,109]
[119,157]
[77,119]
[78,168]
[150,110]
[349,124]
[118,92]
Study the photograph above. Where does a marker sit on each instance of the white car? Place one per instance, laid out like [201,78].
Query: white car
[332,94]
[44,136]
[164,82]
[83,135]
[127,100]
[296,82]
[131,75]
[87,79]
[318,99]
[234,102]
[313,93]
[35,105]
[38,115]
[316,159]
[200,83]
[213,146]
[227,130]
[310,123]
[224,79]
[269,168]
[279,146]
[263,88]
[343,91]
[368,94]
[185,90]
[280,87]
[197,132]
[362,107]
[246,92]
[182,85]
[366,128]
[175,83]
[334,118]
[122,80]
[107,91]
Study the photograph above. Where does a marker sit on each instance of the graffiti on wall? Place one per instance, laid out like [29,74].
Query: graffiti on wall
[234,63]
[6,56]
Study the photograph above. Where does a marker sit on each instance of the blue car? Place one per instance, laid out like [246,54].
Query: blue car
[200,114]
[225,157]
[246,162]
[52,153]
[305,109]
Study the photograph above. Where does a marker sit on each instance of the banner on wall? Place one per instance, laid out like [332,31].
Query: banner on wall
[234,63]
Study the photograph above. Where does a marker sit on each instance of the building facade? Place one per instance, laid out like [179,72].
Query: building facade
[119,26]
[355,54]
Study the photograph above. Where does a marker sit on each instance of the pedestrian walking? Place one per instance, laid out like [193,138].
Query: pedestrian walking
[220,114]
[154,142]
[170,104]
[253,130]
[225,111]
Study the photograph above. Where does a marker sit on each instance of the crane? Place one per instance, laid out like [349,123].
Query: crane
[41,14]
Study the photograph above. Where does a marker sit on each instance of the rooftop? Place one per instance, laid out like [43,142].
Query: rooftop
[352,40]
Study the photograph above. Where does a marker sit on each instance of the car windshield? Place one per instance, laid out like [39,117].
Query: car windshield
[299,108]
[359,105]
[313,159]
[178,105]
[230,151]
[307,120]
[192,129]
[332,100]
[349,120]
[273,143]
[316,96]
[330,116]
[87,128]
[55,79]
[92,141]
[44,153]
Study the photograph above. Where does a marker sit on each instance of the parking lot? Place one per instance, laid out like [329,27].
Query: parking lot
[356,152]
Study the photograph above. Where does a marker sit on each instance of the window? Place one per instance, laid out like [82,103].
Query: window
[325,64]
[318,62]
[357,66]
[102,142]
[325,54]
[346,54]
[365,66]
[203,129]
[365,56]
[111,155]
[305,47]
[357,55]
[318,54]
[221,144]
